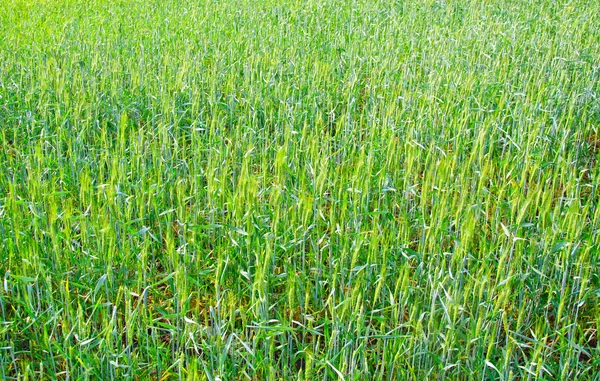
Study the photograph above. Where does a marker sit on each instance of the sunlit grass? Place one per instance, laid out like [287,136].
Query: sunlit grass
[299,190]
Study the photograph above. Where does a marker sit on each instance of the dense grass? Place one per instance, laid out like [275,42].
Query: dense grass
[299,190]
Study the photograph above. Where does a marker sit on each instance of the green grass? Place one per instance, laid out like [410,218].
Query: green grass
[299,190]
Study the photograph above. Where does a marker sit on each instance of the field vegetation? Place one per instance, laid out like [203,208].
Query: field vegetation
[327,190]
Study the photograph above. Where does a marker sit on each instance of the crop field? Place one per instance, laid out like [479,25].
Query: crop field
[299,190]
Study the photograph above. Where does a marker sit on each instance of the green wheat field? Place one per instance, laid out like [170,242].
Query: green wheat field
[299,190]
